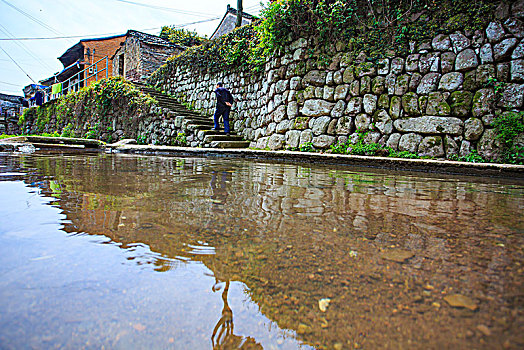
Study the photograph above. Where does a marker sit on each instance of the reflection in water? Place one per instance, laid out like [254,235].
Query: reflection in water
[223,336]
[386,248]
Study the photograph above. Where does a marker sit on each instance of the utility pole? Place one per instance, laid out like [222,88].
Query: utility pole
[239,13]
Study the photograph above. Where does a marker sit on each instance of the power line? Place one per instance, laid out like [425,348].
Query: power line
[34,19]
[6,83]
[1,48]
[25,48]
[169,9]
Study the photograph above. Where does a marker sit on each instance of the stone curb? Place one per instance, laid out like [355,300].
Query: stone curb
[515,172]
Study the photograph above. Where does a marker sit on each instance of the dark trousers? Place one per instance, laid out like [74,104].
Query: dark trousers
[222,111]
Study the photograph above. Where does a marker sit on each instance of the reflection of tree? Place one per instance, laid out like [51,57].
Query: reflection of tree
[223,336]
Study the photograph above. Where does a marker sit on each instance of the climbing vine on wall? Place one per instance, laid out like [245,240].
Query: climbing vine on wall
[377,27]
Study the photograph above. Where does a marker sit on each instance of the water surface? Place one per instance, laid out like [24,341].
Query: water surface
[124,252]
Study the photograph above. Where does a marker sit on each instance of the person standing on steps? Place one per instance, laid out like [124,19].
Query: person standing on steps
[223,107]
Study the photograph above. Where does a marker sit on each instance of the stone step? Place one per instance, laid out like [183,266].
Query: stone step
[63,140]
[211,138]
[229,144]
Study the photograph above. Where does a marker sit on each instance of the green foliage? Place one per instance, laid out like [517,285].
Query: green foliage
[182,37]
[4,136]
[141,139]
[472,157]
[68,130]
[307,147]
[96,103]
[92,133]
[52,134]
[377,27]
[509,126]
[369,149]
[180,140]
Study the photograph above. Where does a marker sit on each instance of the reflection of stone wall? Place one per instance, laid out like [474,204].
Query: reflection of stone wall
[288,232]
[438,101]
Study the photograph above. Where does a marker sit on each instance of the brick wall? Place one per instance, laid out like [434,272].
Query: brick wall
[101,48]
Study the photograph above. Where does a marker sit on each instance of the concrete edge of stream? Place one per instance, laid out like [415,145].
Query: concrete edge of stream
[515,172]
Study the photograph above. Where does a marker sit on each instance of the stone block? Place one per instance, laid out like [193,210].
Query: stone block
[402,85]
[378,85]
[344,125]
[323,141]
[430,125]
[451,81]
[441,43]
[365,85]
[495,32]
[292,138]
[409,142]
[466,60]
[429,62]
[437,104]
[431,146]
[393,141]
[341,91]
[473,129]
[362,122]
[391,80]
[397,65]
[354,106]
[315,108]
[283,126]
[395,107]
[383,101]
[315,78]
[320,125]
[519,51]
[383,66]
[485,72]
[276,142]
[412,62]
[428,83]
[486,54]
[383,122]
[369,102]
[489,147]
[338,77]
[460,103]
[338,109]
[460,42]
[504,49]
[450,146]
[483,102]
[410,104]
[306,136]
[447,62]
[517,71]
[348,77]
[329,93]
[414,82]
[512,96]
[515,27]
[354,88]
[503,70]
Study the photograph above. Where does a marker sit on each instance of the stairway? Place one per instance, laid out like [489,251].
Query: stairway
[195,122]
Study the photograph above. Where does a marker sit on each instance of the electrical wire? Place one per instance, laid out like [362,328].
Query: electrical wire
[25,48]
[169,9]
[34,19]
[6,83]
[22,69]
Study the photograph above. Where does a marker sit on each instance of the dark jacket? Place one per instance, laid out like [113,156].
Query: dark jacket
[223,96]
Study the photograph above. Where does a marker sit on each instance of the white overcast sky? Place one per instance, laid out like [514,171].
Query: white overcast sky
[89,19]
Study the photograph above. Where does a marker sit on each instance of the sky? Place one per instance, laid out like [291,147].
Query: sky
[81,19]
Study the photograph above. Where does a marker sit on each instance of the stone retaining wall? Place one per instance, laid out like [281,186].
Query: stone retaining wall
[439,100]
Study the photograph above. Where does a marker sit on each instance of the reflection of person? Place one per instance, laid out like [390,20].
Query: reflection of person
[219,189]
[223,337]
[223,107]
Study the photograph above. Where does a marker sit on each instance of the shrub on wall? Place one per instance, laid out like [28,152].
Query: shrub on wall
[87,107]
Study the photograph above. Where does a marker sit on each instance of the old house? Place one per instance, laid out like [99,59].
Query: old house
[141,54]
[84,63]
[229,21]
[10,109]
